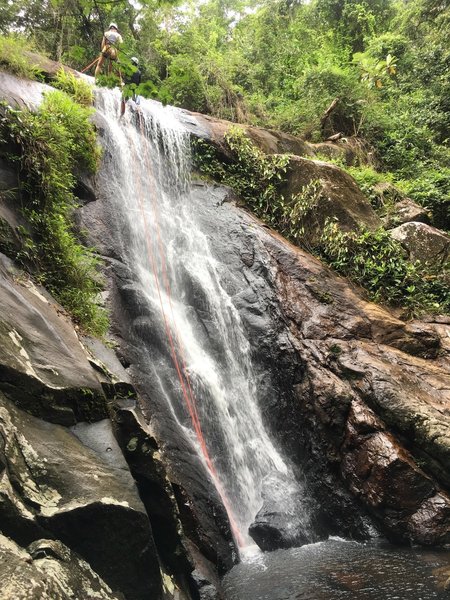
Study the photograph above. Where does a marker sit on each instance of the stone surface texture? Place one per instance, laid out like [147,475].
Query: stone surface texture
[47,570]
[424,243]
[73,484]
[407,210]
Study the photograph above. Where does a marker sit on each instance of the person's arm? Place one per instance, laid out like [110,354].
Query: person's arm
[120,40]
[103,43]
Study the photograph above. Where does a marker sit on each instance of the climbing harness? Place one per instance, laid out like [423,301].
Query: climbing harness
[171,329]
[109,69]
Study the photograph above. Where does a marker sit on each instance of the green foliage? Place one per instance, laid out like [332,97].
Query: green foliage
[49,146]
[280,64]
[14,59]
[77,88]
[375,261]
[108,80]
[372,259]
[255,176]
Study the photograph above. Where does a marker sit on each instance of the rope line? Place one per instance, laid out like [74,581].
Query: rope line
[178,359]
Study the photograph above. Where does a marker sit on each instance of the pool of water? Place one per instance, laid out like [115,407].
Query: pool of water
[340,570]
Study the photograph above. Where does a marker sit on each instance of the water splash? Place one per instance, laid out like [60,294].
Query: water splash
[216,398]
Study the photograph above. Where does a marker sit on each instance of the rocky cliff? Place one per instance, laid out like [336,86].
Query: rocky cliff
[98,487]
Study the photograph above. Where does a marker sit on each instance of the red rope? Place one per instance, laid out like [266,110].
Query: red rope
[181,370]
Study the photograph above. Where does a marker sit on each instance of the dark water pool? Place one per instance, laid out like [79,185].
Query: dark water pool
[338,569]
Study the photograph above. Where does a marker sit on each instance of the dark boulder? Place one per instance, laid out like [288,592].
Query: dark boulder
[43,367]
[284,520]
[81,494]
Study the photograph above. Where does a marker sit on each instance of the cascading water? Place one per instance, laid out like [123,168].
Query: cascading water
[209,381]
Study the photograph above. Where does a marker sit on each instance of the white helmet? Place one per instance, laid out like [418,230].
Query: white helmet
[134,60]
[113,25]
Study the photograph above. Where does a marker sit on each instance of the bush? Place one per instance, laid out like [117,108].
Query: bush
[184,86]
[77,88]
[14,60]
[320,86]
[49,146]
[377,262]
[256,177]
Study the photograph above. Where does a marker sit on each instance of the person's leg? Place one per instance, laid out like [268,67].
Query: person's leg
[99,66]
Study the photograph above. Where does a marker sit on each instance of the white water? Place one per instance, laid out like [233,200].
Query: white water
[148,180]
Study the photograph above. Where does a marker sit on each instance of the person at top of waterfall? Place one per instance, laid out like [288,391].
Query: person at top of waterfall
[109,48]
[132,80]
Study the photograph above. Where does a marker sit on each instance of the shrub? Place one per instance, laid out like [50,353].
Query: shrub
[256,176]
[49,146]
[374,260]
[77,88]
[14,59]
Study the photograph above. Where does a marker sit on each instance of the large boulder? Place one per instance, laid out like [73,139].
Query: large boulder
[424,243]
[284,519]
[55,485]
[43,367]
[269,141]
[47,570]
[405,211]
[21,93]
[327,192]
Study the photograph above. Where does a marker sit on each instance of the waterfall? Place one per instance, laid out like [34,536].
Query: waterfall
[205,372]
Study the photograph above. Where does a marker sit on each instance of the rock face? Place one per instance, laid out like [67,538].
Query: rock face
[47,570]
[284,519]
[366,375]
[406,210]
[37,357]
[348,375]
[200,510]
[357,399]
[424,243]
[46,372]
[54,484]
[333,195]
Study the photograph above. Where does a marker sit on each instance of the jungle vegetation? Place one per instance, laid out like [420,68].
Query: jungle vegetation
[281,64]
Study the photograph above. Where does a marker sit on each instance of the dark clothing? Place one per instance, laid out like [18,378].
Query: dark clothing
[134,78]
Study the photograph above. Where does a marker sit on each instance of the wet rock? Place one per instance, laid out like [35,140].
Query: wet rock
[206,589]
[145,461]
[423,243]
[201,513]
[43,367]
[47,570]
[332,350]
[407,397]
[284,520]
[53,483]
[85,188]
